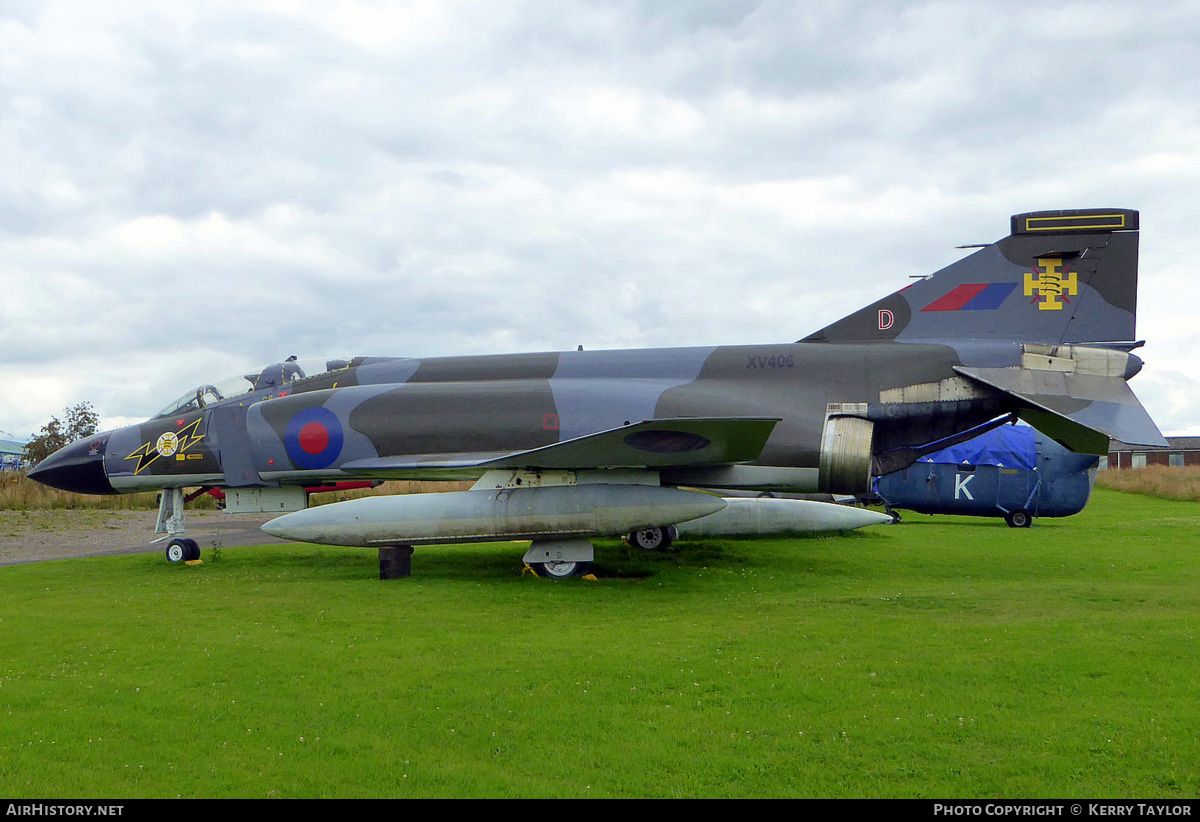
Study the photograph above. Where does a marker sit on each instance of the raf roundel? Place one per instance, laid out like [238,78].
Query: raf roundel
[314,438]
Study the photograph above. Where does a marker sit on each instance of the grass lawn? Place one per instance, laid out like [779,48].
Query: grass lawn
[943,657]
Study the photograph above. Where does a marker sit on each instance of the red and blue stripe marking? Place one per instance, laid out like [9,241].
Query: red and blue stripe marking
[973,297]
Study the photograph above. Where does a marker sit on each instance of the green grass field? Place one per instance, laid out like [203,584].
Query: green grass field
[944,657]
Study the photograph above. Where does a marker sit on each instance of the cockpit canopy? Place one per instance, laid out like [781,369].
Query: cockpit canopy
[272,379]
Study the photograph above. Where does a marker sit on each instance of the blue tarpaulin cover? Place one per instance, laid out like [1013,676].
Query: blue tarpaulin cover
[1009,446]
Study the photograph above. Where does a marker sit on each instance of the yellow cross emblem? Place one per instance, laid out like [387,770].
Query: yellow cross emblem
[1050,283]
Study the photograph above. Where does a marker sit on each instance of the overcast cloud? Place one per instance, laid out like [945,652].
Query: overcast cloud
[194,189]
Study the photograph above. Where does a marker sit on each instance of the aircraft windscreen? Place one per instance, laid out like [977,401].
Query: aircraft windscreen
[274,377]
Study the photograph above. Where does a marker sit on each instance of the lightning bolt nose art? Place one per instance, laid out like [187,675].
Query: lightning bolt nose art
[168,444]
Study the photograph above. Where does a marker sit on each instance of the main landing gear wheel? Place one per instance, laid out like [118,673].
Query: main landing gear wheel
[182,549]
[653,539]
[1018,519]
[560,570]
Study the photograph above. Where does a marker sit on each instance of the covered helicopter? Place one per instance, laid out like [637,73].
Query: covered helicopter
[568,446]
[1013,471]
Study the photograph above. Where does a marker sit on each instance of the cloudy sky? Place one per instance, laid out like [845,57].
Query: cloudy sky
[194,189]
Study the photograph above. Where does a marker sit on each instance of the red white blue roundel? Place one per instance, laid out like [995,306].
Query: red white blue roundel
[314,438]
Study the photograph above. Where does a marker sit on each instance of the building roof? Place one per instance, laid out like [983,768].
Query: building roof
[1175,444]
[10,447]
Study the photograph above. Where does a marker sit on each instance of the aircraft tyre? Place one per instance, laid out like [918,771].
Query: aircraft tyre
[182,549]
[653,539]
[560,570]
[1018,519]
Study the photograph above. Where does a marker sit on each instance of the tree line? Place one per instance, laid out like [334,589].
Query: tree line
[78,421]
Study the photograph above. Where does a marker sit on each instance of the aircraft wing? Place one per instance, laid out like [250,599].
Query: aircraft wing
[1080,411]
[692,441]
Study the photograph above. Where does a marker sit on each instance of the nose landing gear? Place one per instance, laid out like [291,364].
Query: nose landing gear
[182,549]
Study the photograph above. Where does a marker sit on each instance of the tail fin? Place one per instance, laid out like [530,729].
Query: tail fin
[1059,277]
[1063,285]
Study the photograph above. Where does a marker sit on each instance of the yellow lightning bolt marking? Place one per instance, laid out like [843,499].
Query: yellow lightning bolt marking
[148,452]
[1051,283]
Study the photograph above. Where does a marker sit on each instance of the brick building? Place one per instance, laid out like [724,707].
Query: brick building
[1180,451]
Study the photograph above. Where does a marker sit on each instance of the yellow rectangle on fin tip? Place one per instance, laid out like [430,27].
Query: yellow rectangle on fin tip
[1081,222]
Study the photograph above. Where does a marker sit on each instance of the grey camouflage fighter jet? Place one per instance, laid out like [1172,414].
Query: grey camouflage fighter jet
[568,446]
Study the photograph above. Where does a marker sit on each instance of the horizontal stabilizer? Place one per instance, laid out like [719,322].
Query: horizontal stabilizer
[1080,411]
[648,444]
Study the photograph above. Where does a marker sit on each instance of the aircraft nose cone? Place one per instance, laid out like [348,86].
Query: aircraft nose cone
[78,467]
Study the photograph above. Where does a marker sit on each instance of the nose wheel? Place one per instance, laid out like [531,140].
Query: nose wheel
[182,549]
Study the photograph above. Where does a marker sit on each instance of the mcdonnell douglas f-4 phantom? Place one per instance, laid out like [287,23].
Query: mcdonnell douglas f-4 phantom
[572,445]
